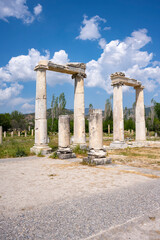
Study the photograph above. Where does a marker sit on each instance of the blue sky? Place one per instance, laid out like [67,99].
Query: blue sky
[109,36]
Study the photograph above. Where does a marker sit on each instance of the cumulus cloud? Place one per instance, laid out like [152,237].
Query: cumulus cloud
[90,28]
[126,56]
[20,69]
[38,9]
[27,108]
[19,10]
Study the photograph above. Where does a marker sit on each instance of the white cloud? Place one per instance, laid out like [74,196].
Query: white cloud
[8,93]
[19,10]
[38,9]
[126,56]
[90,30]
[28,108]
[102,43]
[21,69]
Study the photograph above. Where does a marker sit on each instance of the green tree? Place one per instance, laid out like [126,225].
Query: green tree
[52,107]
[90,108]
[5,121]
[108,109]
[62,103]
[18,121]
[56,107]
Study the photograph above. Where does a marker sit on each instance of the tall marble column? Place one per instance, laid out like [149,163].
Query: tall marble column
[79,111]
[1,133]
[140,115]
[41,144]
[118,121]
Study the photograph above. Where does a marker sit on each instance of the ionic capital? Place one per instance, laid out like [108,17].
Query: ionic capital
[82,75]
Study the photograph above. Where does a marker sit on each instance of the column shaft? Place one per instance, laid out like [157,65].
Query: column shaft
[1,137]
[95,130]
[140,115]
[118,123]
[79,114]
[40,109]
[64,131]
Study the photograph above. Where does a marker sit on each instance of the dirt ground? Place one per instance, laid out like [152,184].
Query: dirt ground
[35,178]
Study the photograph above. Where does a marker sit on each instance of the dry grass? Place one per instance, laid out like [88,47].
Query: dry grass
[137,157]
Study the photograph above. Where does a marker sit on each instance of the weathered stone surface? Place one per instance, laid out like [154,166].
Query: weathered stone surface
[1,136]
[79,114]
[118,122]
[140,115]
[4,134]
[95,130]
[66,155]
[19,133]
[64,131]
[70,68]
[118,145]
[119,78]
[97,161]
[41,138]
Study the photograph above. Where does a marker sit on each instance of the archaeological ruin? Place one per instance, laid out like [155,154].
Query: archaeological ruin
[77,70]
[118,79]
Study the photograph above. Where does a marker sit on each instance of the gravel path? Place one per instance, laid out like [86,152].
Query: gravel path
[78,202]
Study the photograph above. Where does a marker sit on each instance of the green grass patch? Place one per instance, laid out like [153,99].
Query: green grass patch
[54,155]
[16,147]
[78,150]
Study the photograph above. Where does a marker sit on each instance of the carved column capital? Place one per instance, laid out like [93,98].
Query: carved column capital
[79,75]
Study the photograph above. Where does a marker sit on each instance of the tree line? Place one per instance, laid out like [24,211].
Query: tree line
[16,120]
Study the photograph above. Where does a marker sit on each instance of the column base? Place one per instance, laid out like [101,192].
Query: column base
[65,153]
[118,145]
[97,157]
[43,149]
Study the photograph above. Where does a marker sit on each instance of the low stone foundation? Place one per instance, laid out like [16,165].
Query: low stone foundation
[65,153]
[41,149]
[118,145]
[97,157]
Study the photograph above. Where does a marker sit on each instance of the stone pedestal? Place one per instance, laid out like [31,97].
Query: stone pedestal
[109,129]
[25,133]
[1,137]
[64,151]
[79,111]
[41,144]
[32,132]
[4,134]
[140,115]
[96,154]
[118,122]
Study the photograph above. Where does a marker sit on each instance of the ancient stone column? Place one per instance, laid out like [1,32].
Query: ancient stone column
[4,134]
[95,130]
[25,133]
[79,111]
[19,133]
[64,150]
[29,128]
[1,137]
[40,114]
[12,134]
[140,115]
[96,154]
[109,129]
[118,122]
[32,132]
